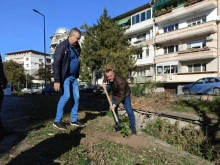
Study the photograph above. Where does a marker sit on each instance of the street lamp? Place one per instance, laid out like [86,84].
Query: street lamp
[44,47]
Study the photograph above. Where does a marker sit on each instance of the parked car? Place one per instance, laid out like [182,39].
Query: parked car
[93,89]
[48,90]
[36,90]
[207,85]
[81,87]
[26,90]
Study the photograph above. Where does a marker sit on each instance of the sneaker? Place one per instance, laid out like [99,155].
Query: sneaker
[77,123]
[59,125]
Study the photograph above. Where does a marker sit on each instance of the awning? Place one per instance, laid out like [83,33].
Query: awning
[123,21]
[161,2]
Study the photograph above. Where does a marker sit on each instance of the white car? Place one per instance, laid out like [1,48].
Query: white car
[26,90]
[36,90]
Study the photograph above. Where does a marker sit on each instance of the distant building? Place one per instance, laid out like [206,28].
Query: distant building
[31,60]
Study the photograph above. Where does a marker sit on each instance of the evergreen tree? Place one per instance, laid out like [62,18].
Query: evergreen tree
[106,46]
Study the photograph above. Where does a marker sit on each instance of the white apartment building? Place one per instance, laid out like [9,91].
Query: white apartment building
[187,41]
[138,24]
[31,60]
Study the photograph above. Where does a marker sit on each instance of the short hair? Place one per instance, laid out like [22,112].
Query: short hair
[109,70]
[74,30]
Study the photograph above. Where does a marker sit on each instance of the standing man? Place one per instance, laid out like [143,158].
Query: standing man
[3,84]
[66,72]
[120,94]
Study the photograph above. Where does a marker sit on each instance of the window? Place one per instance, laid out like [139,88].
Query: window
[197,68]
[140,56]
[27,65]
[167,69]
[143,15]
[174,69]
[27,59]
[40,60]
[210,80]
[141,37]
[196,21]
[149,14]
[216,80]
[170,49]
[170,28]
[160,70]
[200,81]
[196,44]
[147,52]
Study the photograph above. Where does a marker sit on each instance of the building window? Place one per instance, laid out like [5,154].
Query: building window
[143,16]
[196,44]
[140,56]
[147,52]
[40,60]
[196,21]
[170,49]
[160,70]
[149,14]
[141,37]
[27,65]
[197,68]
[27,59]
[167,69]
[170,28]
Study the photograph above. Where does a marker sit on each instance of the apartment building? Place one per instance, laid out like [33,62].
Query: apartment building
[31,60]
[138,24]
[187,41]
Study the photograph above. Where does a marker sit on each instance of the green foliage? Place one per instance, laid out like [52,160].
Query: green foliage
[105,46]
[189,139]
[141,89]
[41,73]
[14,73]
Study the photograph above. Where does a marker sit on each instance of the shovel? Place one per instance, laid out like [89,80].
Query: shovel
[117,126]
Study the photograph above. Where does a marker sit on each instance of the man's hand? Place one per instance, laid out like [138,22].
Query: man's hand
[113,107]
[57,86]
[104,85]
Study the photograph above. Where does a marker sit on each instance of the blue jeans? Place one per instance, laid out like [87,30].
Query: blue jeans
[66,96]
[127,105]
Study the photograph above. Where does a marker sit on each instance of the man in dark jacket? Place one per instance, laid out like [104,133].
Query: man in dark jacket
[66,72]
[120,94]
[3,84]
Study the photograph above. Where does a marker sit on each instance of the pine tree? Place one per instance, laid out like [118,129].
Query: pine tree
[106,47]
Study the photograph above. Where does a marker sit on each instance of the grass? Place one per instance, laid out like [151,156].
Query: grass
[44,144]
[189,139]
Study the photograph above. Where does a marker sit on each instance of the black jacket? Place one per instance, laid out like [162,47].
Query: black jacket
[62,61]
[3,80]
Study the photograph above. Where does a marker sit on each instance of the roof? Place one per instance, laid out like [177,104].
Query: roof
[26,51]
[131,12]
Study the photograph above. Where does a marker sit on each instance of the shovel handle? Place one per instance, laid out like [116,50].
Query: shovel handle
[113,111]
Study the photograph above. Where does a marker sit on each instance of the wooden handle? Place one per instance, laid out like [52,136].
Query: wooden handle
[113,111]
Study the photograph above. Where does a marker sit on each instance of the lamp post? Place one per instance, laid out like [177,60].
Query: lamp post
[44,48]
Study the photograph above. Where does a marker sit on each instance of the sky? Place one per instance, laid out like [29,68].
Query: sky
[22,29]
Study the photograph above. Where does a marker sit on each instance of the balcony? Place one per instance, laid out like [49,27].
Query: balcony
[188,55]
[54,42]
[143,43]
[139,27]
[185,77]
[187,32]
[186,10]
[140,79]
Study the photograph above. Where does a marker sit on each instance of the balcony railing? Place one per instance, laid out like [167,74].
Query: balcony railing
[187,32]
[191,6]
